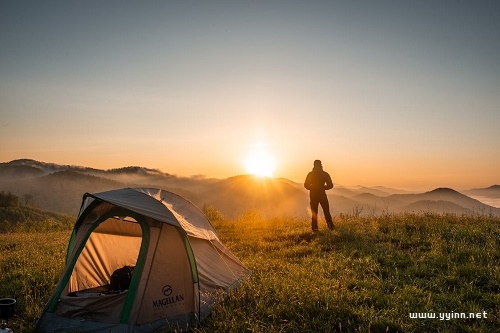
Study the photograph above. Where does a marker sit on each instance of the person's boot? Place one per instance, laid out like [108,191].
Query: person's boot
[314,225]
[330,225]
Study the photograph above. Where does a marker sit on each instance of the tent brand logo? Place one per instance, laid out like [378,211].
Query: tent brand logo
[169,300]
[167,290]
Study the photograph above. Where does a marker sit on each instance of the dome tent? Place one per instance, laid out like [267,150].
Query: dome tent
[178,268]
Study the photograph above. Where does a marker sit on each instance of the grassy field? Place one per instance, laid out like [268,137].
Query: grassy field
[368,275]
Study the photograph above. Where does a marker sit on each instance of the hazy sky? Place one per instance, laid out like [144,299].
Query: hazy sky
[395,93]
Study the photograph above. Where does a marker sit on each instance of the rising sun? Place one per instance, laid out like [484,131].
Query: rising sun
[260,163]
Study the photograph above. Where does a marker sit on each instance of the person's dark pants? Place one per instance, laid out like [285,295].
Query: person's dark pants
[316,200]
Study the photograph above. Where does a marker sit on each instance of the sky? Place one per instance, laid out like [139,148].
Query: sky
[401,94]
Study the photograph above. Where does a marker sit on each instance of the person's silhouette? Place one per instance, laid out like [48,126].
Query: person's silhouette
[317,182]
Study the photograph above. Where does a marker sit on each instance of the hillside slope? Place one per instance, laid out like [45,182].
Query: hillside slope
[18,217]
[61,187]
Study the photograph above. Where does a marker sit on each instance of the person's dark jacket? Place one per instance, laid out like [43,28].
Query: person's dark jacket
[318,181]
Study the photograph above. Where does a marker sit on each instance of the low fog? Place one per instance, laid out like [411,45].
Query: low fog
[60,188]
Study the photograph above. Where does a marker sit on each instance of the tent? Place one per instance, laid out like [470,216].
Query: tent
[176,267]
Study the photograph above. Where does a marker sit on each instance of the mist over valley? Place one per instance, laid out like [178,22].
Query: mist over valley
[60,188]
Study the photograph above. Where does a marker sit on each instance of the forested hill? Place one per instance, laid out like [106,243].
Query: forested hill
[18,217]
[60,188]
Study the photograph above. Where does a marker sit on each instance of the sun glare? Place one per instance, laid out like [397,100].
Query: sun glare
[260,163]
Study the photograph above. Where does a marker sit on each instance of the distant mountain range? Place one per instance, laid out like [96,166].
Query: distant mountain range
[60,188]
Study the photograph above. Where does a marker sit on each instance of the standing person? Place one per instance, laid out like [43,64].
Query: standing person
[317,182]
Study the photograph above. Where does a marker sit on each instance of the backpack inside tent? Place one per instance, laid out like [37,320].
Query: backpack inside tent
[140,260]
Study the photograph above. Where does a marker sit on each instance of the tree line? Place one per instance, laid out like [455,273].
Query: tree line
[16,216]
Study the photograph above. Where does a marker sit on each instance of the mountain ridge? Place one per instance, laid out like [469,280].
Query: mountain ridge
[61,187]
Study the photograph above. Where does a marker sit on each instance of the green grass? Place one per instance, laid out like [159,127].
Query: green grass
[367,275]
[30,266]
